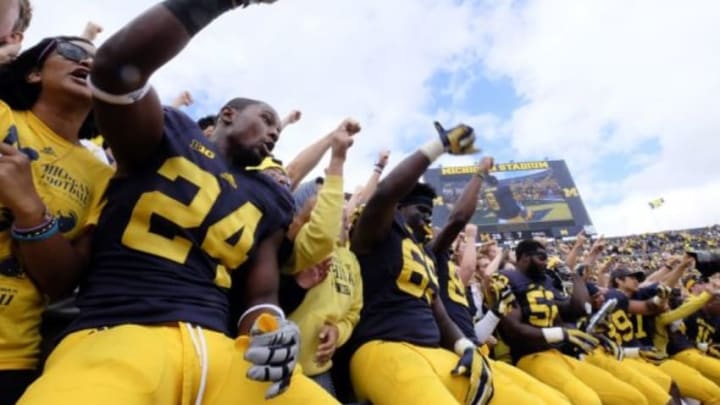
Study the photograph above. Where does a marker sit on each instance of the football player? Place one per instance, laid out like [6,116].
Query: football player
[183,220]
[405,340]
[512,384]
[535,335]
[644,349]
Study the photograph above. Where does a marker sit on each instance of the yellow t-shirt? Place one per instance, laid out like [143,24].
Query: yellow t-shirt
[336,300]
[70,180]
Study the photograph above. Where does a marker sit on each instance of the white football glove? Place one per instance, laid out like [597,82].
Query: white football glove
[273,350]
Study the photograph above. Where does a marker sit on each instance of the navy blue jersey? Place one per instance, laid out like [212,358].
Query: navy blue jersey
[172,232]
[536,299]
[644,325]
[703,328]
[501,201]
[678,339]
[452,293]
[620,324]
[399,287]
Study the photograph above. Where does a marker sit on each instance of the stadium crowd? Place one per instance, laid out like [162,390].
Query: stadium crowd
[189,264]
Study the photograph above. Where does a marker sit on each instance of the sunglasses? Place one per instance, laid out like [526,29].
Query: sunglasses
[68,50]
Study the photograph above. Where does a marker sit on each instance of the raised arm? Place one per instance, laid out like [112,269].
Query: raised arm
[680,267]
[371,185]
[317,238]
[91,31]
[576,251]
[463,210]
[376,219]
[293,117]
[308,158]
[128,111]
[468,263]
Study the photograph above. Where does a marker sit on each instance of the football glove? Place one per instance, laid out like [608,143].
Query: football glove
[652,354]
[459,140]
[581,340]
[273,350]
[714,350]
[578,339]
[611,347]
[472,364]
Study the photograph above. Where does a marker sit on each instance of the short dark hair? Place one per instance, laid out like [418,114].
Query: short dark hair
[207,121]
[420,194]
[240,103]
[527,246]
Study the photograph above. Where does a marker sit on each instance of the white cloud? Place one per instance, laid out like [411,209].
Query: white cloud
[601,78]
[330,58]
[597,78]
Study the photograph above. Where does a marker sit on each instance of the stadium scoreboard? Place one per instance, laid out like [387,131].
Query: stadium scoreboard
[518,200]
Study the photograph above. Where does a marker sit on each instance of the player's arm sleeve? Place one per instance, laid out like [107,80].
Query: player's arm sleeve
[352,316]
[316,239]
[692,305]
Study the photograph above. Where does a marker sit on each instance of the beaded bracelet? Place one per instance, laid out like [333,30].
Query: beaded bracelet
[47,229]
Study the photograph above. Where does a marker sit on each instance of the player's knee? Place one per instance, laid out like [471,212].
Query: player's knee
[583,395]
[635,397]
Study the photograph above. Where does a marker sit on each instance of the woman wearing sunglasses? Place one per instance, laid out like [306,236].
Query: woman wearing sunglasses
[49,184]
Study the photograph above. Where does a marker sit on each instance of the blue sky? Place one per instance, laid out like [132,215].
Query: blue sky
[601,84]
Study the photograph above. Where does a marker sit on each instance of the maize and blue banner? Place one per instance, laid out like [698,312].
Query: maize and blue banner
[518,200]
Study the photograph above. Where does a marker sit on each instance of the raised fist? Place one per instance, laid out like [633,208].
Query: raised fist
[342,137]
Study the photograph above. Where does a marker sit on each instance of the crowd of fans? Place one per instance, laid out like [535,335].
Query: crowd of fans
[149,258]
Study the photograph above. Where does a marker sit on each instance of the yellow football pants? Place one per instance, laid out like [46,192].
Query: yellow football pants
[392,373]
[706,365]
[513,377]
[691,383]
[581,382]
[653,392]
[649,370]
[133,364]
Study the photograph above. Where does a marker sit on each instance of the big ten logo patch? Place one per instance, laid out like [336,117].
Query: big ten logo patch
[204,150]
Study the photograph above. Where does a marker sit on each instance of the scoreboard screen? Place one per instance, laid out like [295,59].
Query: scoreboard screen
[518,200]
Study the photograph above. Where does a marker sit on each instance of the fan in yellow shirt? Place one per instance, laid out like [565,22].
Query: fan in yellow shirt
[48,186]
[327,311]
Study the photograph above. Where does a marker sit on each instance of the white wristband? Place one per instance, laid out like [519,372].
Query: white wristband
[254,308]
[703,347]
[433,149]
[486,326]
[118,99]
[553,335]
[631,351]
[463,344]
[656,300]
